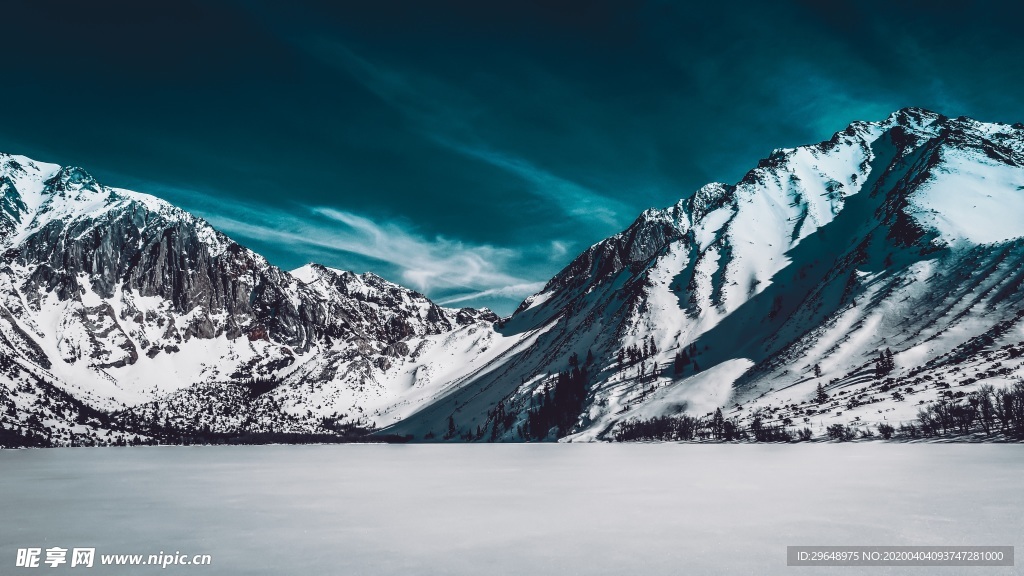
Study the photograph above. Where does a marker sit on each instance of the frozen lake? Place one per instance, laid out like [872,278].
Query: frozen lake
[508,509]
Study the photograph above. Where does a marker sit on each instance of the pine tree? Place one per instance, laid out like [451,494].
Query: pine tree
[590,357]
[451,428]
[884,364]
[677,364]
[718,424]
[820,397]
[817,371]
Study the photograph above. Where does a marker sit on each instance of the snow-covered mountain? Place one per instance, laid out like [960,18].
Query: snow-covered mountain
[880,269]
[904,235]
[117,299]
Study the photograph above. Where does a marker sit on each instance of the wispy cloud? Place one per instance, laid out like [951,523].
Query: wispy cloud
[426,263]
[575,200]
[558,249]
[445,116]
[448,269]
[517,292]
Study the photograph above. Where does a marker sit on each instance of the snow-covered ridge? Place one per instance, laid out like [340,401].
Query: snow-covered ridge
[48,193]
[799,190]
[119,299]
[821,254]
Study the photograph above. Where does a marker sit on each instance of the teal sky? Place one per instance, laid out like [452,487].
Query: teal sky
[469,149]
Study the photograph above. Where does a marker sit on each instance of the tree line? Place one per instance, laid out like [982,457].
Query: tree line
[685,357]
[714,427]
[989,410]
[558,406]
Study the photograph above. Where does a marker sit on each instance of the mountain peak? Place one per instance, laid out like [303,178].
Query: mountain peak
[914,117]
[72,179]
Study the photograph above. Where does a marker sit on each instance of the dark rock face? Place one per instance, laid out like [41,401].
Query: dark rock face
[466,316]
[102,326]
[380,310]
[12,207]
[71,179]
[645,238]
[20,341]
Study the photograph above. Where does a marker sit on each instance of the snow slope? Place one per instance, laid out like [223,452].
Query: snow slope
[903,234]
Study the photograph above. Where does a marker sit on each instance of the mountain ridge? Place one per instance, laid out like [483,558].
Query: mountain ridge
[902,235]
[826,221]
[120,298]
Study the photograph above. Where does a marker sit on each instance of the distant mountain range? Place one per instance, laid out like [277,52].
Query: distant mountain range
[880,269]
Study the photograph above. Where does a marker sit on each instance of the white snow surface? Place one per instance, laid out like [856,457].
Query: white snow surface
[513,510]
